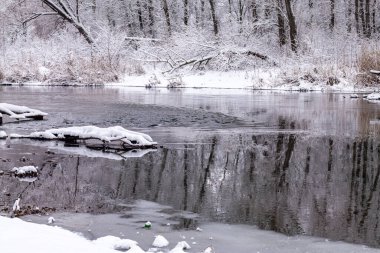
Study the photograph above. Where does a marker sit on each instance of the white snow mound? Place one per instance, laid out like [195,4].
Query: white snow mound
[180,247]
[160,242]
[113,242]
[3,134]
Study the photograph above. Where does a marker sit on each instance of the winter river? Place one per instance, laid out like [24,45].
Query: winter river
[238,164]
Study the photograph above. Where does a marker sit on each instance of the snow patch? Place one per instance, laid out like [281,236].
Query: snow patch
[3,134]
[42,239]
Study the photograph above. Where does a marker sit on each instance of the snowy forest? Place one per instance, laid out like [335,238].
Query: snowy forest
[99,41]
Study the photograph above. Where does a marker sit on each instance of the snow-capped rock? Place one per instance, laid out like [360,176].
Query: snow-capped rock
[160,242]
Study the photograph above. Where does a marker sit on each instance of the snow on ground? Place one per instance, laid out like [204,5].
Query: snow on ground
[109,134]
[264,79]
[19,236]
[19,112]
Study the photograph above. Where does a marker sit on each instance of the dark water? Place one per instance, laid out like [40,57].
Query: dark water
[296,163]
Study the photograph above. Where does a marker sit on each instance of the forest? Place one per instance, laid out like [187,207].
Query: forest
[93,41]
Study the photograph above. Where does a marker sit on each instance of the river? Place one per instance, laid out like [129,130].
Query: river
[294,163]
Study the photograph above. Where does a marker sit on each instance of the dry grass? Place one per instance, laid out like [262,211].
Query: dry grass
[368,59]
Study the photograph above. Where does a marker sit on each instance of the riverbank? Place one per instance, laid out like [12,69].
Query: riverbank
[261,79]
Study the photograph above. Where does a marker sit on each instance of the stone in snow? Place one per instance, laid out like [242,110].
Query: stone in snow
[160,242]
[354,96]
[199,229]
[148,224]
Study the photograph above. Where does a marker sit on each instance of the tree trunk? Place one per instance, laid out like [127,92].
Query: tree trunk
[374,17]
[332,15]
[255,15]
[139,15]
[151,18]
[362,16]
[281,23]
[311,7]
[185,12]
[292,26]
[367,18]
[213,15]
[348,18]
[357,16]
[167,16]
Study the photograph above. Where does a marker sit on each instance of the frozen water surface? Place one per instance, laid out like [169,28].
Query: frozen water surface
[300,164]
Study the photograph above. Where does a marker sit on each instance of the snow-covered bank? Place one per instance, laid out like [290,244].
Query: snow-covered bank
[20,236]
[261,79]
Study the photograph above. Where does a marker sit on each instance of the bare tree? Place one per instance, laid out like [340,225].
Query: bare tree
[292,26]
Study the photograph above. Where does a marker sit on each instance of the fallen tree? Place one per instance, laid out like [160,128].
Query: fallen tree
[20,112]
[112,138]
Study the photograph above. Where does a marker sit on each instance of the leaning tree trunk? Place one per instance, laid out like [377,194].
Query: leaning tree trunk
[292,26]
[64,10]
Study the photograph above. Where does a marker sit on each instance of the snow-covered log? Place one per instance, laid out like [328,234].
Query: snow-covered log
[115,137]
[374,96]
[25,171]
[20,112]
